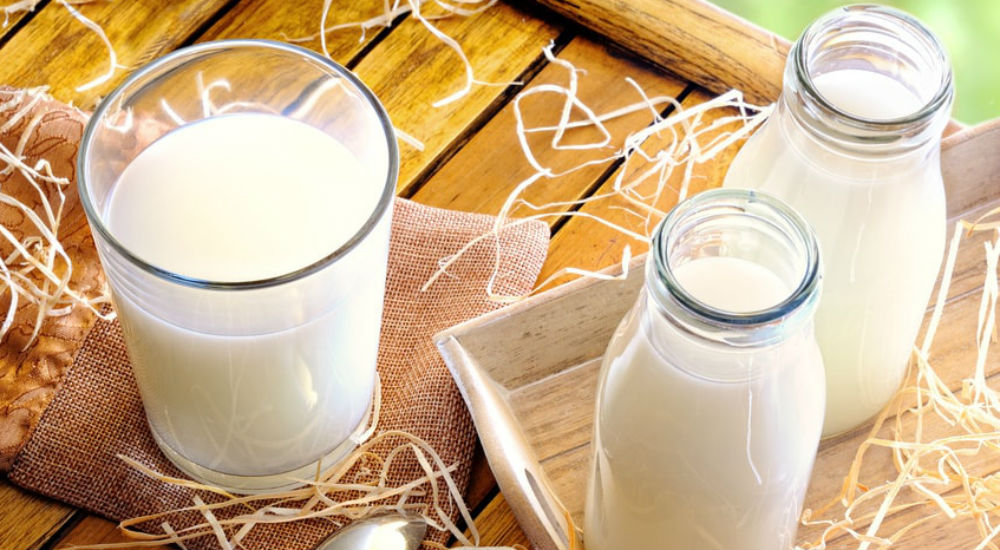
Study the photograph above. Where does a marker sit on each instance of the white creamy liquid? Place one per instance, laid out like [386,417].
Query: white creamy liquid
[866,94]
[699,445]
[267,380]
[880,226]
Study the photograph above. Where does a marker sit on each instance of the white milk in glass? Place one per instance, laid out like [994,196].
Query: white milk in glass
[699,442]
[880,224]
[274,383]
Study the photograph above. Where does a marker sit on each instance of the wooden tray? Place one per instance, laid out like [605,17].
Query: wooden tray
[529,372]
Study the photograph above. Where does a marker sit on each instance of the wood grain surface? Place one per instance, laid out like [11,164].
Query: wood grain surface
[284,21]
[56,50]
[583,243]
[27,520]
[11,17]
[692,39]
[411,70]
[499,164]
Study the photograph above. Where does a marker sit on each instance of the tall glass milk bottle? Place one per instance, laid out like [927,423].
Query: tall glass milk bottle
[710,395]
[854,145]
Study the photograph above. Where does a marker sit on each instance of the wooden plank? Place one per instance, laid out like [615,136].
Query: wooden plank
[55,49]
[693,39]
[10,19]
[28,520]
[412,69]
[497,526]
[496,160]
[95,530]
[282,20]
[547,435]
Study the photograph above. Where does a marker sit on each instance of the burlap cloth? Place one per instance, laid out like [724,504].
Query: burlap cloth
[97,413]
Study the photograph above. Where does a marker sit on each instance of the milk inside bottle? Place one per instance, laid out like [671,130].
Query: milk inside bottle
[710,397]
[854,145]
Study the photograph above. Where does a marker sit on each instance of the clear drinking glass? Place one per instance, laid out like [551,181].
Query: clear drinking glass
[854,145]
[249,383]
[710,395]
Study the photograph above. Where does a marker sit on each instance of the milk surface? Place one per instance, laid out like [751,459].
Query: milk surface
[242,198]
[731,284]
[697,445]
[867,94]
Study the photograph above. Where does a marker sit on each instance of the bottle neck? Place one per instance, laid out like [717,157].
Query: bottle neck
[869,81]
[736,224]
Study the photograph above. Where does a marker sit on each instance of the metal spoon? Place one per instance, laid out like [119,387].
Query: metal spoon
[381,531]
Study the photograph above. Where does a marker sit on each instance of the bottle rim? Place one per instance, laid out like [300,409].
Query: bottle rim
[761,327]
[881,20]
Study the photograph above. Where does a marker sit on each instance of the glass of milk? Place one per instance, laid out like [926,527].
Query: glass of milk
[710,396]
[240,195]
[854,145]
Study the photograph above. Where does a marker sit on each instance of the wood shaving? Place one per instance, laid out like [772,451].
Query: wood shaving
[942,440]
[38,270]
[354,488]
[698,139]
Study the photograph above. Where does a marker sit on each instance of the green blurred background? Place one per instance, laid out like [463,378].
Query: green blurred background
[970,30]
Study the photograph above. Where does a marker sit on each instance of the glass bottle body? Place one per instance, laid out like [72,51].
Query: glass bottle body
[854,146]
[707,427]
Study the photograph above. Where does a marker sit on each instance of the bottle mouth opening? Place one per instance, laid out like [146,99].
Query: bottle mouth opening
[738,224]
[880,40]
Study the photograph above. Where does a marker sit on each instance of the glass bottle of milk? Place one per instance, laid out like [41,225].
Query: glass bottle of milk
[854,145]
[710,396]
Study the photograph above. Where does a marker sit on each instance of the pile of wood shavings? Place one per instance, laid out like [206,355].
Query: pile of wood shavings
[37,270]
[699,134]
[942,442]
[356,487]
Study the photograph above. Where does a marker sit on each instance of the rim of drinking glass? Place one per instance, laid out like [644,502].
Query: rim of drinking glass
[388,192]
[804,46]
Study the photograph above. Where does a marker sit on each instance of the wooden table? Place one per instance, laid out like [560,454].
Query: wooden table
[470,159]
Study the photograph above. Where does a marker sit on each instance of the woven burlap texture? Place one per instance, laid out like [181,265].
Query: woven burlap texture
[97,414]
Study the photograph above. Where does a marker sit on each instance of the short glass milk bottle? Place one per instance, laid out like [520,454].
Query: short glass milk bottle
[710,395]
[854,145]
